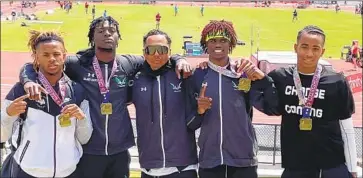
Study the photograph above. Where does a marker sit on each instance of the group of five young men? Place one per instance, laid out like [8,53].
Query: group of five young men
[172,101]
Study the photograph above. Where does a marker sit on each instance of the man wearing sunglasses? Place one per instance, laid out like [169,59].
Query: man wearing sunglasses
[166,146]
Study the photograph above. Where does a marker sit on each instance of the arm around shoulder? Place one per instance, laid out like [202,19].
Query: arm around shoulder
[27,73]
[84,126]
[264,96]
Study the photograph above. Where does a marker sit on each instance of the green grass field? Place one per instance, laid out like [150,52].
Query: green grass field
[276,30]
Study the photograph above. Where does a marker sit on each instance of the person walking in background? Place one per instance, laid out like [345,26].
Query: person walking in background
[157,19]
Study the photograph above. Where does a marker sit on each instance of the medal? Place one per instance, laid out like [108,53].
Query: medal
[306,124]
[106,108]
[65,120]
[244,84]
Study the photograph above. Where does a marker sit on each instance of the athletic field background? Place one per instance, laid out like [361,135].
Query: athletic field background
[273,28]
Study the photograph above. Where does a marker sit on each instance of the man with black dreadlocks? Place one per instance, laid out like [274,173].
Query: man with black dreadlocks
[106,79]
[228,146]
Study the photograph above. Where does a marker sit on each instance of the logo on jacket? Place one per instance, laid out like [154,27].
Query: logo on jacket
[235,86]
[66,100]
[121,82]
[40,103]
[143,89]
[137,75]
[90,77]
[196,96]
[176,88]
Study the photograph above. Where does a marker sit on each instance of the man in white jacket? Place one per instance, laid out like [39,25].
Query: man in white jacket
[54,127]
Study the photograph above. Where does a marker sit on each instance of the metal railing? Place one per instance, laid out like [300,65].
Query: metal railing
[268,138]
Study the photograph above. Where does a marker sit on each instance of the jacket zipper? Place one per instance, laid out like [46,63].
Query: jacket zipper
[161,121]
[220,114]
[55,145]
[54,141]
[24,150]
[106,124]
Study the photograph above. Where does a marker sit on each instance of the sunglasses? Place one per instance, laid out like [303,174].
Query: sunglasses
[151,50]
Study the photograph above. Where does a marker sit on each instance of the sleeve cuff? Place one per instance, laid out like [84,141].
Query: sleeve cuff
[82,123]
[263,83]
[6,119]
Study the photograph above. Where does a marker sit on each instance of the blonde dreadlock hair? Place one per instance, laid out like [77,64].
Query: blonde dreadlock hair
[37,37]
[219,28]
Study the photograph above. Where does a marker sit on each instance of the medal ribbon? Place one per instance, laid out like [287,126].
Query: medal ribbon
[307,103]
[101,82]
[229,73]
[51,91]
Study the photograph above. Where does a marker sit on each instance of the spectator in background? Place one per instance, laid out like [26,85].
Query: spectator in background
[202,10]
[86,7]
[175,9]
[355,53]
[13,15]
[294,15]
[337,8]
[93,12]
[105,13]
[157,18]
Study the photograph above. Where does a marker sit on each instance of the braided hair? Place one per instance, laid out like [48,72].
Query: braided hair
[311,29]
[37,37]
[222,27]
[101,20]
[156,32]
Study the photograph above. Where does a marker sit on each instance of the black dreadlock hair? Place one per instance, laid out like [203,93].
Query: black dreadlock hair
[311,29]
[156,32]
[101,20]
[37,37]
[216,27]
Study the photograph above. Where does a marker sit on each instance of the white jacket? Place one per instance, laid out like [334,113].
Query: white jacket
[46,148]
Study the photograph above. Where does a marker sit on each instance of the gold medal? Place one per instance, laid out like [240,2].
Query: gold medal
[106,108]
[244,84]
[306,124]
[301,103]
[65,120]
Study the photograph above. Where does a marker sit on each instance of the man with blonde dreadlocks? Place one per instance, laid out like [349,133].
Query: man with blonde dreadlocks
[49,131]
[107,78]
[228,146]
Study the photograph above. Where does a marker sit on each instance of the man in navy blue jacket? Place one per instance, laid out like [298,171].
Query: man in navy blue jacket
[167,148]
[228,145]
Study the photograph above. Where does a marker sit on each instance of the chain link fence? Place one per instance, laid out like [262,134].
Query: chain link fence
[268,138]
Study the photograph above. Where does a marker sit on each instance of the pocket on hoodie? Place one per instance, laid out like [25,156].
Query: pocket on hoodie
[24,151]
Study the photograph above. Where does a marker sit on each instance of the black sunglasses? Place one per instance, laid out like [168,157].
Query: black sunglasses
[151,50]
